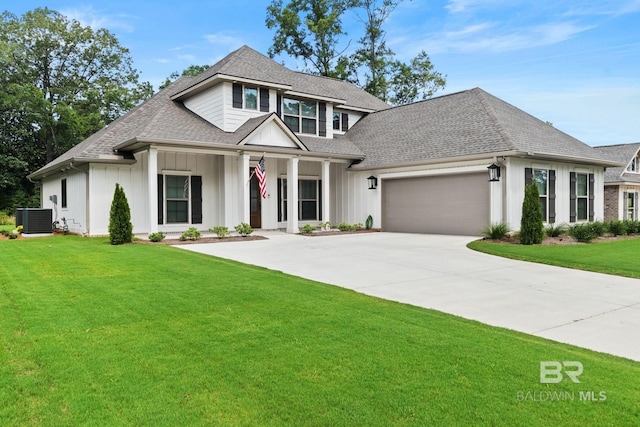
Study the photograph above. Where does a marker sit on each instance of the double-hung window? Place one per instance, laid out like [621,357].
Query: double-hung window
[250,98]
[634,166]
[308,200]
[630,213]
[541,178]
[177,191]
[582,196]
[300,116]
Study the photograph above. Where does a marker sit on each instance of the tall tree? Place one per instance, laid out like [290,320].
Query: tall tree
[190,71]
[385,77]
[310,30]
[61,82]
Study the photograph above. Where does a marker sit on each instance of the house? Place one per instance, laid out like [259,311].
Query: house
[185,158]
[622,184]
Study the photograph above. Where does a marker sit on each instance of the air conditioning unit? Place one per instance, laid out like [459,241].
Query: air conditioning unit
[34,221]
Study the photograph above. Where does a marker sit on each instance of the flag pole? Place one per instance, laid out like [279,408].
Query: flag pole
[254,170]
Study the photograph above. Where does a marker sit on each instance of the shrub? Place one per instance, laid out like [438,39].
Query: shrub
[120,227]
[326,226]
[192,233]
[617,228]
[531,227]
[583,233]
[5,219]
[14,234]
[157,236]
[357,226]
[633,227]
[553,230]
[307,229]
[343,226]
[598,228]
[244,229]
[369,223]
[221,231]
[496,231]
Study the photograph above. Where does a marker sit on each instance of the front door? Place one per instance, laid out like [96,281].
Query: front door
[255,211]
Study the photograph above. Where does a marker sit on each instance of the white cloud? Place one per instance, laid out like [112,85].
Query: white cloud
[224,39]
[605,8]
[88,16]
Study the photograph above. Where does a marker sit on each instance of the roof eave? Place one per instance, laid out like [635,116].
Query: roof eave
[73,163]
[426,162]
[217,78]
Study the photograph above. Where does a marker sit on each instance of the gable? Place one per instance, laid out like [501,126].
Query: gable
[273,133]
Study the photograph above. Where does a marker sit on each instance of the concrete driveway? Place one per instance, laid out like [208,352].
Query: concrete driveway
[590,310]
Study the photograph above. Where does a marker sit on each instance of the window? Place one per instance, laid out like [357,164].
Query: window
[177,191]
[634,166]
[631,206]
[300,116]
[308,200]
[540,177]
[250,98]
[63,192]
[582,196]
[336,121]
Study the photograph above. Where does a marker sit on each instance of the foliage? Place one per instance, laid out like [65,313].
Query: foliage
[192,233]
[61,82]
[220,230]
[244,229]
[583,233]
[184,336]
[120,227]
[158,236]
[191,71]
[308,30]
[531,226]
[496,231]
[343,226]
[632,227]
[14,234]
[555,230]
[307,229]
[599,228]
[618,228]
[6,219]
[369,223]
[326,226]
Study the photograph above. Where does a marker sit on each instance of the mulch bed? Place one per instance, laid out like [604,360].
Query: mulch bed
[565,240]
[338,232]
[209,240]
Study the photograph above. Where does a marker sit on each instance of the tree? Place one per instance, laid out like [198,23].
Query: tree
[191,71]
[120,227]
[391,80]
[60,82]
[531,226]
[308,29]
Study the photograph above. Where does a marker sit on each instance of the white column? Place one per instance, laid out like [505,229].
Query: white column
[326,186]
[292,196]
[152,178]
[243,190]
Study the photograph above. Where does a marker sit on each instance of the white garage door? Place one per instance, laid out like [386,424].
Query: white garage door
[446,204]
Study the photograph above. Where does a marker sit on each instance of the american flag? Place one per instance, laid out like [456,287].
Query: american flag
[261,174]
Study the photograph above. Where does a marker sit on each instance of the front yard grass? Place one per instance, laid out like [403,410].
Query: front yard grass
[141,334]
[619,257]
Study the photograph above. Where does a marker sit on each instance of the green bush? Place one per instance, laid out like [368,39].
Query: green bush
[5,219]
[633,227]
[583,232]
[553,230]
[221,231]
[531,227]
[496,231]
[307,229]
[157,236]
[120,227]
[369,223]
[244,229]
[343,226]
[617,228]
[326,226]
[599,228]
[192,233]
[14,234]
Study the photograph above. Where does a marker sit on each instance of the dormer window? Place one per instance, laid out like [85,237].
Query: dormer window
[634,166]
[300,116]
[251,98]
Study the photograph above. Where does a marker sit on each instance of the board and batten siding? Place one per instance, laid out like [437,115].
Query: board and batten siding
[76,211]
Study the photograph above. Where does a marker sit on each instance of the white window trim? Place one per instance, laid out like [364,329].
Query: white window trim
[164,196]
[586,197]
[300,116]
[635,163]
[546,196]
[283,178]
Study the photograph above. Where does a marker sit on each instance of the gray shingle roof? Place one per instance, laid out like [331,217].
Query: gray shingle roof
[467,123]
[248,64]
[622,153]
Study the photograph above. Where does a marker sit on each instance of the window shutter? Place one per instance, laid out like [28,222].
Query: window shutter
[625,205]
[345,122]
[279,106]
[572,197]
[592,181]
[322,119]
[160,199]
[196,199]
[528,176]
[320,200]
[264,100]
[635,206]
[552,196]
[237,95]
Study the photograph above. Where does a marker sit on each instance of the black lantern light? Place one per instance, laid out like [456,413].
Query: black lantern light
[373,182]
[494,172]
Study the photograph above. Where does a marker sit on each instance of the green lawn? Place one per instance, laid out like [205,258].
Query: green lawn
[93,334]
[619,257]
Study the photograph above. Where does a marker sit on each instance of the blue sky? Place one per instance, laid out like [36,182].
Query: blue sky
[573,63]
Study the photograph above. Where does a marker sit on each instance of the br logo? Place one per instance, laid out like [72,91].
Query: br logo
[551,372]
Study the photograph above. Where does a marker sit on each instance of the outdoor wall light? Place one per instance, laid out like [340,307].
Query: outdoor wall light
[373,182]
[494,173]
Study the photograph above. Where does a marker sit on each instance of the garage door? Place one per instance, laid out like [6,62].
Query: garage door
[446,204]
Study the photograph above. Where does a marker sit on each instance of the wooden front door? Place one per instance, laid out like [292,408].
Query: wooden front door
[255,210]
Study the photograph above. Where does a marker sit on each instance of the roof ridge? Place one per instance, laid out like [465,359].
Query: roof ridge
[491,112]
